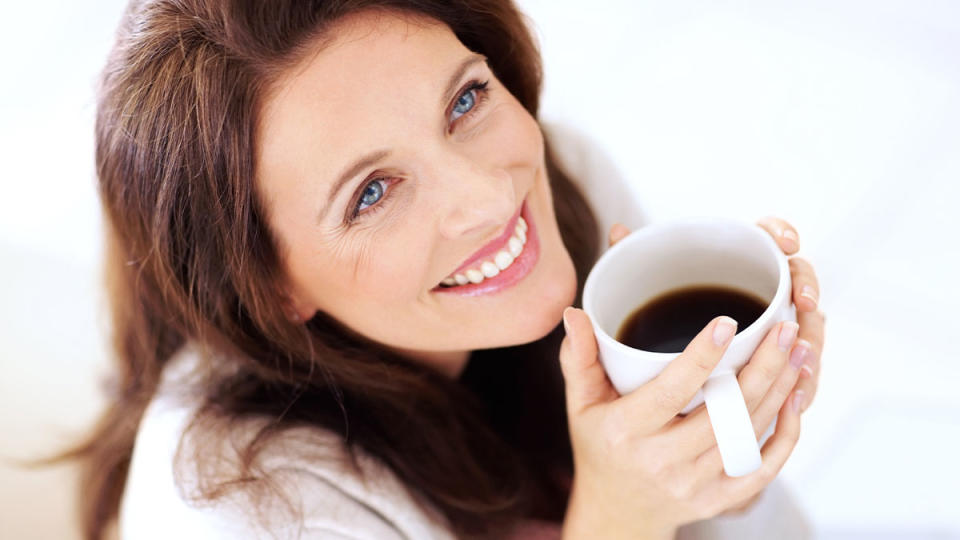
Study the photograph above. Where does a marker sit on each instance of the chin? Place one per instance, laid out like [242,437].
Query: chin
[554,290]
[557,291]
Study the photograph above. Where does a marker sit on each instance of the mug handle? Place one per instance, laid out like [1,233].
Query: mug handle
[730,419]
[731,423]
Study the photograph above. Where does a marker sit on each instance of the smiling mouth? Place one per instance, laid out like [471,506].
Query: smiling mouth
[491,266]
[499,264]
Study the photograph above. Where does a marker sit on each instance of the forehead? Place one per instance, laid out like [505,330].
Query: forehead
[373,75]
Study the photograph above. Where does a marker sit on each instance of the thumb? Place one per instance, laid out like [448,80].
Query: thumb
[586,381]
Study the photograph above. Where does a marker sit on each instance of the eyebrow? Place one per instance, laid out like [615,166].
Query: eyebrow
[348,174]
[376,156]
[474,58]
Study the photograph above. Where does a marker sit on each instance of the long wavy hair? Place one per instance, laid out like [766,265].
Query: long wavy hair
[190,258]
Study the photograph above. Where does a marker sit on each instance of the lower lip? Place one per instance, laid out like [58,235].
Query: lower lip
[519,269]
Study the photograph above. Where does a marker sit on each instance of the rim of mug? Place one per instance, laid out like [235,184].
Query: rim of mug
[635,236]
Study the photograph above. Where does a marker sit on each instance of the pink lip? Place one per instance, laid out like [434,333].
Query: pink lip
[519,269]
[490,250]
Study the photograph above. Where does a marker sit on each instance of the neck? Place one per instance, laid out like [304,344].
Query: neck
[448,363]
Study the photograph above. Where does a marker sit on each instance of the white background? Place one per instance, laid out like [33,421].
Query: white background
[842,117]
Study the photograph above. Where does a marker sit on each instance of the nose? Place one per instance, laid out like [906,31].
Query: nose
[475,201]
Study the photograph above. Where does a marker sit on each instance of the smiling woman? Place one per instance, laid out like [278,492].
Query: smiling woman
[288,190]
[339,252]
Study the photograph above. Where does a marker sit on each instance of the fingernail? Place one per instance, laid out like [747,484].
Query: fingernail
[806,372]
[808,292]
[788,334]
[799,398]
[799,354]
[790,235]
[724,330]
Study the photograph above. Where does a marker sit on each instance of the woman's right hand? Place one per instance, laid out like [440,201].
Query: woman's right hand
[642,471]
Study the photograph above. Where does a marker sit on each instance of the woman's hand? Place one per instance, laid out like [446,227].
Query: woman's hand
[643,471]
[806,295]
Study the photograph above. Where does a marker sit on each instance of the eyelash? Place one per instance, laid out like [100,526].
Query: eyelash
[482,96]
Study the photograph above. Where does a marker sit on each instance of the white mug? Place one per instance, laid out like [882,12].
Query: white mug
[699,251]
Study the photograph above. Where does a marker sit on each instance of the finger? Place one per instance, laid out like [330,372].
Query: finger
[806,287]
[812,326]
[695,434]
[661,398]
[585,380]
[710,463]
[773,455]
[808,383]
[617,232]
[781,231]
[781,389]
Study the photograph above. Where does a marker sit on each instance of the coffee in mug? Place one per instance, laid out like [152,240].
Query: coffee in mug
[670,321]
[646,268]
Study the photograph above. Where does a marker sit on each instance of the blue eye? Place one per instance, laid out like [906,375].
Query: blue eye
[374,197]
[466,102]
[371,195]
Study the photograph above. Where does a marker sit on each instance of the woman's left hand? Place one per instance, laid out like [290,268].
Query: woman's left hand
[806,295]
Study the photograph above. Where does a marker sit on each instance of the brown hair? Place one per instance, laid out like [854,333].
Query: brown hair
[190,259]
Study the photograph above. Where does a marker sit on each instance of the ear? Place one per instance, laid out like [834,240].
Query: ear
[296,310]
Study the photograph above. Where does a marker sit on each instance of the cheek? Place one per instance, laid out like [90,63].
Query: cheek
[388,270]
[514,137]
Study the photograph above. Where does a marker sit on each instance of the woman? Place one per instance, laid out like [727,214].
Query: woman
[340,250]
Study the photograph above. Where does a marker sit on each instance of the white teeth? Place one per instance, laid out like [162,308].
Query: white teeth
[503,259]
[474,276]
[515,246]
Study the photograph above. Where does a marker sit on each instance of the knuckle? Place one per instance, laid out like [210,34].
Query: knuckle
[654,464]
[795,437]
[765,475]
[702,362]
[766,371]
[782,388]
[616,432]
[668,398]
[801,264]
[680,489]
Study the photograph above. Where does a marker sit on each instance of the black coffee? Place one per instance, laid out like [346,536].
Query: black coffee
[670,321]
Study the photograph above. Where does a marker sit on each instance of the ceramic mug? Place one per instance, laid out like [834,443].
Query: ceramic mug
[697,251]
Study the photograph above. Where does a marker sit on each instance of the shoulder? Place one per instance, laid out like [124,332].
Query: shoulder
[303,483]
[610,193]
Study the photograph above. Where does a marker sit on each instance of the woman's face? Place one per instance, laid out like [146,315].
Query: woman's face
[437,160]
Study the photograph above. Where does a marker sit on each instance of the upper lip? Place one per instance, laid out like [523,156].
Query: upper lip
[490,249]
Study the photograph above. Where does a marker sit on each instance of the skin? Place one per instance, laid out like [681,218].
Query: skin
[642,470]
[455,183]
[451,183]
